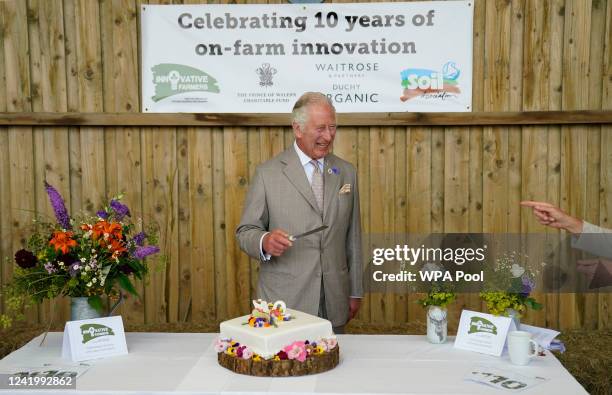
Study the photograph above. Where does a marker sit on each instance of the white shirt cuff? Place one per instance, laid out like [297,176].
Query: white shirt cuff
[264,257]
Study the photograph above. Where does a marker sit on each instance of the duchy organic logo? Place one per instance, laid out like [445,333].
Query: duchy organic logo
[171,79]
[93,331]
[479,324]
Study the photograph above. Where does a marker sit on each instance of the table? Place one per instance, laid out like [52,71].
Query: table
[164,363]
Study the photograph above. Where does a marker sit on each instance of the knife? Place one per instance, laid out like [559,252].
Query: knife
[315,230]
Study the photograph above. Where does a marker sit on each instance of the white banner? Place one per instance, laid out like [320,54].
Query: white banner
[258,58]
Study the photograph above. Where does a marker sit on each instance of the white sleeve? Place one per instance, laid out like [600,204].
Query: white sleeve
[264,257]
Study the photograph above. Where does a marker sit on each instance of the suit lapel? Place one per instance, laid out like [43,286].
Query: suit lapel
[295,173]
[332,181]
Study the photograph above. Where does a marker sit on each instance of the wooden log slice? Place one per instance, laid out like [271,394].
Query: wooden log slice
[289,367]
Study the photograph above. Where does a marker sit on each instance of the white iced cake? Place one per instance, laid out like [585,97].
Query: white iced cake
[266,340]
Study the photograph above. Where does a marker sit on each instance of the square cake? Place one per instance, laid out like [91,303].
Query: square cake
[267,341]
[276,341]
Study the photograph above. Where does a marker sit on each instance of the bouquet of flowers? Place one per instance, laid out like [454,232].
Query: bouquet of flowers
[85,257]
[440,293]
[509,285]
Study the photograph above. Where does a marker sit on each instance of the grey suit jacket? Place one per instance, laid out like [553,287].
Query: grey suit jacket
[281,197]
[594,240]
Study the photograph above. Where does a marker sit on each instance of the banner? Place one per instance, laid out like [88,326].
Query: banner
[258,58]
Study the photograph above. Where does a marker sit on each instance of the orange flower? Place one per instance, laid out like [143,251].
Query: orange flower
[116,247]
[102,227]
[62,241]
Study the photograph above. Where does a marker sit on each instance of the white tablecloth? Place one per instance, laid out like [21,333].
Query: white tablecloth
[163,363]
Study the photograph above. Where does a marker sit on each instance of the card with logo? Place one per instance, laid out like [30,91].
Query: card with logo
[92,339]
[480,332]
[505,380]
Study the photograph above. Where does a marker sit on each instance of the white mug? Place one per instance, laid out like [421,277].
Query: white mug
[519,347]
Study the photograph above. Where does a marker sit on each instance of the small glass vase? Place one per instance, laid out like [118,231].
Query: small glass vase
[515,317]
[437,324]
[80,309]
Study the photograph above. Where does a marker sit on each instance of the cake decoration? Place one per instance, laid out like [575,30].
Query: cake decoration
[267,314]
[298,350]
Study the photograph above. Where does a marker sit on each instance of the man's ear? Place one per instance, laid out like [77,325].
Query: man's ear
[297,131]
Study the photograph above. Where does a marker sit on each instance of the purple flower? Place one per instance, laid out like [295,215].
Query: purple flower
[58,207]
[145,251]
[74,269]
[121,210]
[25,259]
[126,269]
[50,268]
[335,170]
[102,214]
[139,238]
[528,286]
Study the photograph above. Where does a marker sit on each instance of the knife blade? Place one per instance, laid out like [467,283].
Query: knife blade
[315,230]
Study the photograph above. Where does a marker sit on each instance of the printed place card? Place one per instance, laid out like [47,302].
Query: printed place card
[483,333]
[505,380]
[93,339]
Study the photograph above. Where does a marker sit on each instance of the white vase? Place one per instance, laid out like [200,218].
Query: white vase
[437,324]
[80,309]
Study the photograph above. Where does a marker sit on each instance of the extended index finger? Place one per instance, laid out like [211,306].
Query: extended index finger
[533,203]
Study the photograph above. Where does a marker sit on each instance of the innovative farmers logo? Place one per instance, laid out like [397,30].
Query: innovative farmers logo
[431,84]
[171,79]
[482,325]
[93,331]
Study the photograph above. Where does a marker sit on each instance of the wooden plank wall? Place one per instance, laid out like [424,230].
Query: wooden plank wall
[83,56]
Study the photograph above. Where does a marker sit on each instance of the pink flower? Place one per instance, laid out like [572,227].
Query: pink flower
[296,350]
[331,343]
[247,353]
[221,345]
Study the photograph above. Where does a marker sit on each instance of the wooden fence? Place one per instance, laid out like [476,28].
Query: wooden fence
[81,57]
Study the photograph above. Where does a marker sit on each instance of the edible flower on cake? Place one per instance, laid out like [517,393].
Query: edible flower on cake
[267,314]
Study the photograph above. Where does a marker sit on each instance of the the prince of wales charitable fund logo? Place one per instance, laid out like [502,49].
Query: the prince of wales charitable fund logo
[431,84]
[93,331]
[481,325]
[171,79]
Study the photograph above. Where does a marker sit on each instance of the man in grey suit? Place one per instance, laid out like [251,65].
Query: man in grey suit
[301,189]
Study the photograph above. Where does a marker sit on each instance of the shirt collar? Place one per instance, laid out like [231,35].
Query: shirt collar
[305,159]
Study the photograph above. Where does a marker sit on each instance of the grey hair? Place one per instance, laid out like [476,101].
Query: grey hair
[299,114]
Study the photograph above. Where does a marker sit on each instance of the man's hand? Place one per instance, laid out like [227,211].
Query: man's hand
[276,242]
[354,305]
[552,216]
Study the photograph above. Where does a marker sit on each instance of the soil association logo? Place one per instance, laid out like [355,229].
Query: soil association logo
[431,84]
[93,331]
[172,79]
[482,325]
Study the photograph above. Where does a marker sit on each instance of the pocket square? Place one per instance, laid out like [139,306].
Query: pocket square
[346,188]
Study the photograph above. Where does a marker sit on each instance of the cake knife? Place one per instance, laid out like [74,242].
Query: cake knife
[315,230]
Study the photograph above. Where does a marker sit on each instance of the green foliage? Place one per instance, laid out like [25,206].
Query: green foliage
[438,295]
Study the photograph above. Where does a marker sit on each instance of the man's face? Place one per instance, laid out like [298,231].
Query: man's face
[315,139]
